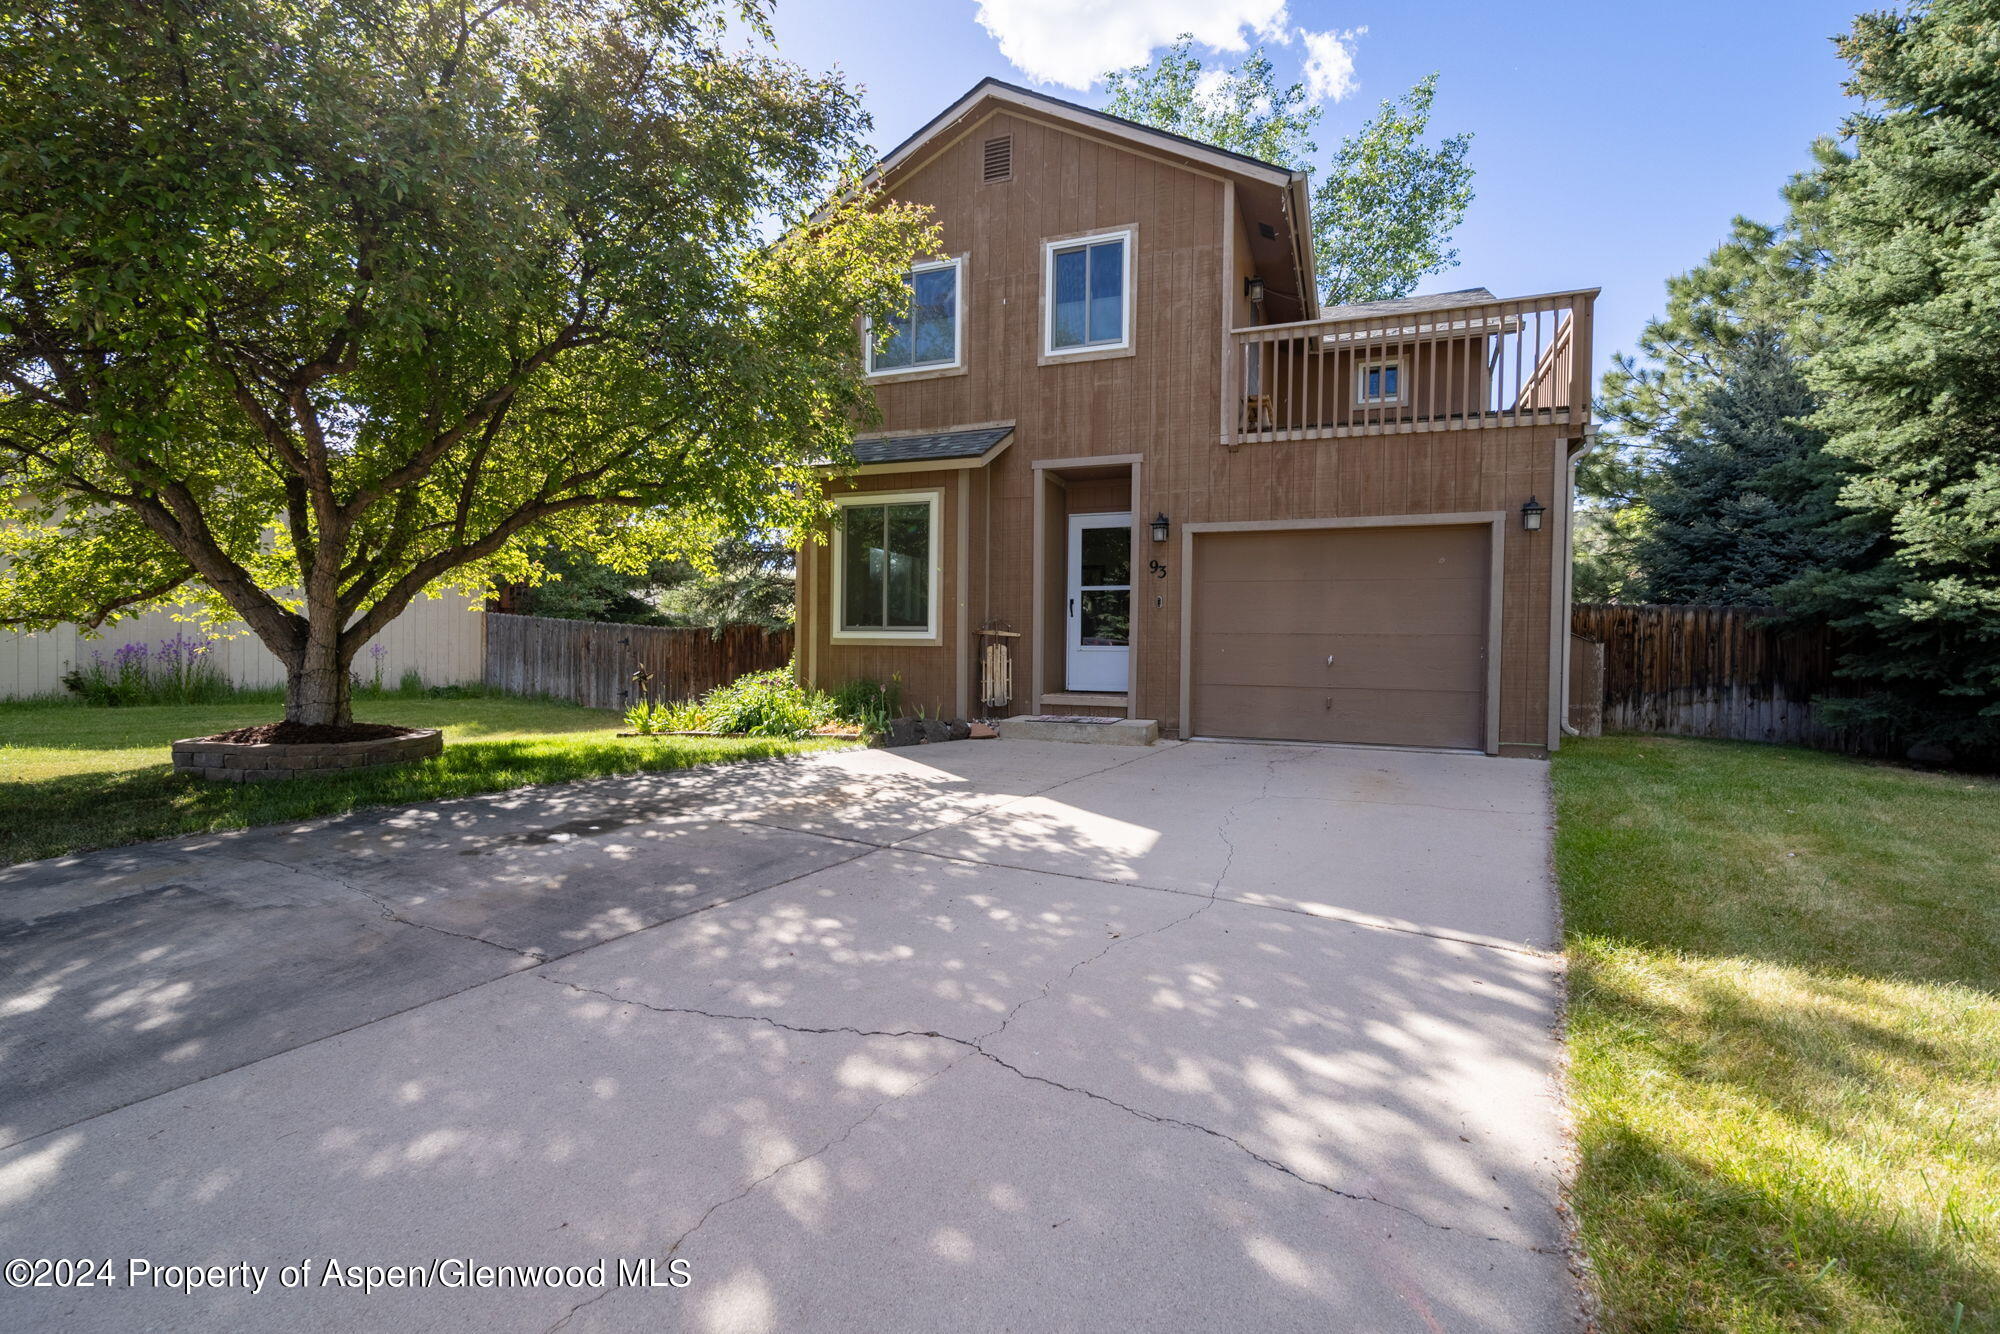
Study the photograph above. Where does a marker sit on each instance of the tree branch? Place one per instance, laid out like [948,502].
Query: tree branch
[97,616]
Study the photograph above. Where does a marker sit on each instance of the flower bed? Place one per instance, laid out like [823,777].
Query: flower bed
[270,753]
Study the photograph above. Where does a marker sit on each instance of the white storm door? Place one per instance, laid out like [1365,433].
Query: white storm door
[1099,609]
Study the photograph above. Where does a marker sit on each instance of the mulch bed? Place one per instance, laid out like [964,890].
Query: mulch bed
[296,734]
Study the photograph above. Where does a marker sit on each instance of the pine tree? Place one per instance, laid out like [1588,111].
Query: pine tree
[1748,499]
[1695,418]
[1908,371]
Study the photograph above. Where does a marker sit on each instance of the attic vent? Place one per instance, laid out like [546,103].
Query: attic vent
[999,159]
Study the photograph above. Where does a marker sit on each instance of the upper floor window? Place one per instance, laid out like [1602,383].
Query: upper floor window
[1087,291]
[1379,382]
[927,338]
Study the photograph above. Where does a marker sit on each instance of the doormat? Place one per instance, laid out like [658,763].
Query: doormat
[1066,718]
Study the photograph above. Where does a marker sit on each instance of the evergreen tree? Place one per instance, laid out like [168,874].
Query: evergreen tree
[1908,371]
[1747,498]
[749,582]
[1700,414]
[743,581]
[1749,287]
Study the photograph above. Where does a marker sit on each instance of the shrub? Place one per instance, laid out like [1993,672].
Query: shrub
[763,704]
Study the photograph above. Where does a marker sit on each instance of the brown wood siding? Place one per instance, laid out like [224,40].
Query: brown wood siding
[1373,635]
[1163,403]
[927,671]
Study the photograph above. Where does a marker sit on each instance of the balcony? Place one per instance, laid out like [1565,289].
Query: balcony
[1449,367]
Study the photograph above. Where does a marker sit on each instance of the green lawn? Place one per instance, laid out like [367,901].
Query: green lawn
[1784,1028]
[73,778]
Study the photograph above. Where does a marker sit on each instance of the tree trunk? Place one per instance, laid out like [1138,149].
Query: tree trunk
[317,686]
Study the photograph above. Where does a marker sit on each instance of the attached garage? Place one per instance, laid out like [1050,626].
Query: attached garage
[1376,634]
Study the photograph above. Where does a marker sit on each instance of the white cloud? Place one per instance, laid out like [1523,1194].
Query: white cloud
[1330,63]
[1073,42]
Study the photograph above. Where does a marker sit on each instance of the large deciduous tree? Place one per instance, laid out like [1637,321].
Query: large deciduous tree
[308,306]
[1385,205]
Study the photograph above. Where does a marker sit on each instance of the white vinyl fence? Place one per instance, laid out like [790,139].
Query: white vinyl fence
[442,638]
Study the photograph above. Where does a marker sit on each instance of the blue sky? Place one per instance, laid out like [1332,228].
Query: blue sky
[1614,141]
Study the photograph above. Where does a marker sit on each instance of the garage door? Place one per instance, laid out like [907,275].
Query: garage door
[1374,635]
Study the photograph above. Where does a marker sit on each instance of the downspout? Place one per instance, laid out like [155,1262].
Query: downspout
[1569,566]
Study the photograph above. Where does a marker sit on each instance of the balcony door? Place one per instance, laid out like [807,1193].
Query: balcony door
[1099,656]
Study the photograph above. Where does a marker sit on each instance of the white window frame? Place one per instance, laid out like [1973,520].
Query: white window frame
[959,327]
[927,633]
[1363,399]
[1050,249]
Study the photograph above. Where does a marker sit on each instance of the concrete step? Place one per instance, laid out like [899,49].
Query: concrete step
[1089,731]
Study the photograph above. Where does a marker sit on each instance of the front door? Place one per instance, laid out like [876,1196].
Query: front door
[1100,602]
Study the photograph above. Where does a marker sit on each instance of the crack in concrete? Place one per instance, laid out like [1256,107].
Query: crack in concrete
[1235,812]
[511,973]
[533,956]
[781,1168]
[974,1047]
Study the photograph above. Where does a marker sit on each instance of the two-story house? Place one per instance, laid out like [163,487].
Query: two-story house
[1129,466]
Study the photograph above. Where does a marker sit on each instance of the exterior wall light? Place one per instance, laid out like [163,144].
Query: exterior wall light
[1254,289]
[1531,514]
[1159,527]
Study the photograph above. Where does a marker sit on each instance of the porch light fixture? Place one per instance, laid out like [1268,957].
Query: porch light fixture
[1254,289]
[1531,514]
[1159,527]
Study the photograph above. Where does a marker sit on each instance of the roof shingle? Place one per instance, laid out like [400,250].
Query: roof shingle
[1405,305]
[928,448]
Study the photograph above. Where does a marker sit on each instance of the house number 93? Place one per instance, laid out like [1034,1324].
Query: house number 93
[1159,570]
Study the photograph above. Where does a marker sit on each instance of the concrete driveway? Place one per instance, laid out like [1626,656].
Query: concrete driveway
[987,1036]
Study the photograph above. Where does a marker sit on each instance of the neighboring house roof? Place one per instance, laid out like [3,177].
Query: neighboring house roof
[937,447]
[1406,305]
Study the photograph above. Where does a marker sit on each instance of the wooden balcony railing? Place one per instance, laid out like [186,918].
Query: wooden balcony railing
[1520,362]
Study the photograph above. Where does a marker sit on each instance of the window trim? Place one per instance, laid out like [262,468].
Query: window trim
[1362,398]
[956,263]
[931,632]
[1054,246]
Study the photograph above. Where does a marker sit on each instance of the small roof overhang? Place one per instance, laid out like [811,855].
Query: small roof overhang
[962,447]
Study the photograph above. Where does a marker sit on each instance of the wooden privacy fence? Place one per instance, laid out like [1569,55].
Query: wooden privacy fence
[591,662]
[1716,672]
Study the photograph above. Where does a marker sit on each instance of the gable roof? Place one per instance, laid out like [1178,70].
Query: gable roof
[1001,90]
[1192,154]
